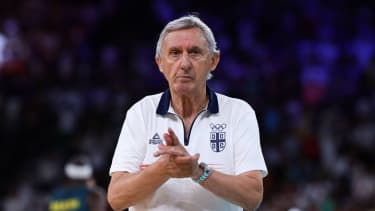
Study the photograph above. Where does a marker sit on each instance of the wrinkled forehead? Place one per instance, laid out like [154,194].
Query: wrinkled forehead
[190,37]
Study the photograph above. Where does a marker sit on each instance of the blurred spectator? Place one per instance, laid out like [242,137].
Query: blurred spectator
[79,191]
[69,68]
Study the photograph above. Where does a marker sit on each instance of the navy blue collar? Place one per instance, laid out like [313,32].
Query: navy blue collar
[213,105]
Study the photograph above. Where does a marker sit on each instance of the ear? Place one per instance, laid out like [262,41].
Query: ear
[214,61]
[158,62]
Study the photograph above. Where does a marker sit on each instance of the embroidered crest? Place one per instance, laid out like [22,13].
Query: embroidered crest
[217,137]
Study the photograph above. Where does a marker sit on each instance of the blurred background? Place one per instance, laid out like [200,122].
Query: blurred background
[70,69]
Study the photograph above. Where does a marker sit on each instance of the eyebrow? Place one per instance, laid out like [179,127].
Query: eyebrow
[189,49]
[195,48]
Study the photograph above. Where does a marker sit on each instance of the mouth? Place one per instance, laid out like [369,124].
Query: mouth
[184,77]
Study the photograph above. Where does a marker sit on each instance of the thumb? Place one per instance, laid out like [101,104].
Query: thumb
[196,157]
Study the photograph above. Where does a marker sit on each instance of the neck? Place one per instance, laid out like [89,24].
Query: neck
[189,105]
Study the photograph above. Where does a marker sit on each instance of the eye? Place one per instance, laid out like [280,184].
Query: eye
[195,52]
[174,53]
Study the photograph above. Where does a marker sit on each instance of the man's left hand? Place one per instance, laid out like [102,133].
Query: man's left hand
[181,163]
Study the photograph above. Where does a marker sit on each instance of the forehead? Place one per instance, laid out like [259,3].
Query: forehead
[185,38]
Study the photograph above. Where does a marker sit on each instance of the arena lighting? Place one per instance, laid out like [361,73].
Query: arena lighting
[3,41]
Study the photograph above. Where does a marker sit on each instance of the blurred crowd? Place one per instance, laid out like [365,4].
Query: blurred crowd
[70,69]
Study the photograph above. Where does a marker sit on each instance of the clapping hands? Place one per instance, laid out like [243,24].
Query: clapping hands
[178,162]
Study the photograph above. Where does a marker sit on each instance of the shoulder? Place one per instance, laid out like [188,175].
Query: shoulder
[60,190]
[147,103]
[233,104]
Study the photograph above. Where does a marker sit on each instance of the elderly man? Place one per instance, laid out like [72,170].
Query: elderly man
[188,148]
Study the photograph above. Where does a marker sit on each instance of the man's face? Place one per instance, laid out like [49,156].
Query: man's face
[185,60]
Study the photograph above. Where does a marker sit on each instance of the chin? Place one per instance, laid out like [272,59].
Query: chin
[183,89]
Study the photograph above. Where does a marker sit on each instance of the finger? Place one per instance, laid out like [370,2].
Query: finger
[196,157]
[173,153]
[168,151]
[160,146]
[168,139]
[173,136]
[187,159]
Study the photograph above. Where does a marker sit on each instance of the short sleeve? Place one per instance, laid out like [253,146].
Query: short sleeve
[131,147]
[248,152]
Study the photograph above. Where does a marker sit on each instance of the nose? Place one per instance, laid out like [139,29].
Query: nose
[185,61]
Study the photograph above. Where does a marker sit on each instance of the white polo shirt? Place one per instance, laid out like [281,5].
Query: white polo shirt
[225,134]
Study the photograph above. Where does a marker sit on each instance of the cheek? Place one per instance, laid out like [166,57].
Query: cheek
[173,69]
[168,73]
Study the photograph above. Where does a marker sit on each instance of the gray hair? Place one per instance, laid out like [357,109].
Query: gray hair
[186,22]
